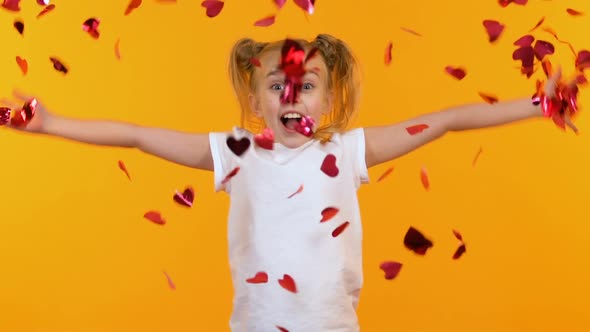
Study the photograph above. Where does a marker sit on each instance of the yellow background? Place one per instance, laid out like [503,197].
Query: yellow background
[76,253]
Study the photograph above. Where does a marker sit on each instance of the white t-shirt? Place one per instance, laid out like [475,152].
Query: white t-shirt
[276,230]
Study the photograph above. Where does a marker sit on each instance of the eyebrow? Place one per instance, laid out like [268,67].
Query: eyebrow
[278,71]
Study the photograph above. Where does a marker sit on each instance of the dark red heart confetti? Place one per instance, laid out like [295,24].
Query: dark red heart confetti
[391,269]
[385,174]
[259,278]
[265,139]
[155,217]
[526,40]
[265,22]
[58,65]
[124,169]
[457,72]
[494,29]
[416,241]
[459,252]
[458,235]
[329,213]
[416,129]
[288,283]
[91,26]
[22,64]
[329,166]
[282,329]
[19,26]
[340,229]
[185,198]
[542,49]
[133,4]
[213,7]
[238,147]
[4,115]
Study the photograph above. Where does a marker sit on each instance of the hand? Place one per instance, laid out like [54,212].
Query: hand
[550,90]
[39,121]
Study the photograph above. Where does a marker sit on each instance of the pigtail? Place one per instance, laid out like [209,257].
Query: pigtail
[344,84]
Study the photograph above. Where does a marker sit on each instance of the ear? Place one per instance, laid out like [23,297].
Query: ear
[254,105]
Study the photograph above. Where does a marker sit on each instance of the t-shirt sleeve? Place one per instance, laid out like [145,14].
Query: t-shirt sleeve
[354,147]
[224,160]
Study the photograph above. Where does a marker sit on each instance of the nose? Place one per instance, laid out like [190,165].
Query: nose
[291,94]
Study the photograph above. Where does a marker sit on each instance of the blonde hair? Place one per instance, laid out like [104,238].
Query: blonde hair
[343,80]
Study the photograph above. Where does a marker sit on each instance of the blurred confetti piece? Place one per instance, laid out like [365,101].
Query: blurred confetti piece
[416,241]
[416,129]
[124,169]
[280,3]
[505,3]
[476,157]
[460,251]
[340,229]
[282,329]
[43,2]
[22,64]
[583,60]
[329,213]
[91,26]
[46,10]
[117,49]
[490,99]
[155,217]
[12,5]
[538,24]
[260,278]
[265,22]
[133,4]
[391,269]
[388,50]
[385,174]
[19,26]
[299,190]
[170,282]
[185,198]
[574,12]
[457,72]
[4,115]
[494,29]
[526,40]
[306,5]
[458,235]
[265,139]
[255,62]
[58,65]
[230,175]
[424,178]
[542,49]
[413,32]
[25,114]
[288,283]
[551,32]
[213,7]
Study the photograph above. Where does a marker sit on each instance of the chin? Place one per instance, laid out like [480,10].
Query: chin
[295,142]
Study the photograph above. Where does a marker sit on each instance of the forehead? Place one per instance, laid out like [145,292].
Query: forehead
[270,61]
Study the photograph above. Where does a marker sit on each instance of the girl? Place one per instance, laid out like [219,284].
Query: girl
[294,222]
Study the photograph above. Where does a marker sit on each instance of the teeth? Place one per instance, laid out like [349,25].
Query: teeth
[292,116]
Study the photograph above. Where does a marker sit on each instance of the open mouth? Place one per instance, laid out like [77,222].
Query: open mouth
[291,120]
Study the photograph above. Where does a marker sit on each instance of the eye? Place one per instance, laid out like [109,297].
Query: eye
[307,86]
[276,86]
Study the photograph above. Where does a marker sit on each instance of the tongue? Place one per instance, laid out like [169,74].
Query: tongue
[292,123]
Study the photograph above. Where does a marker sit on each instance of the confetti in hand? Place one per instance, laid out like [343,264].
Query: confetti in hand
[25,114]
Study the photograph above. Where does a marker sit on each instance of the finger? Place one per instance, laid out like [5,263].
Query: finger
[570,124]
[9,103]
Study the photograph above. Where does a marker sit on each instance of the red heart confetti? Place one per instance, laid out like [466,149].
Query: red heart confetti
[117,49]
[416,129]
[329,213]
[526,40]
[19,26]
[306,5]
[133,4]
[476,157]
[58,65]
[411,31]
[542,49]
[583,60]
[391,269]
[574,12]
[230,175]
[299,190]
[385,174]
[292,60]
[155,217]
[305,126]
[12,5]
[288,283]
[46,10]
[265,22]
[280,3]
[22,117]
[259,278]
[459,252]
[424,178]
[456,72]
[329,166]
[416,241]
[494,29]
[265,139]
[238,147]
[22,64]
[388,49]
[124,169]
[4,115]
[490,99]
[185,198]
[255,62]
[213,7]
[505,3]
[170,282]
[340,229]
[91,26]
